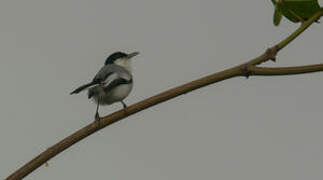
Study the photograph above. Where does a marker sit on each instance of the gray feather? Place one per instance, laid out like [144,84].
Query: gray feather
[103,76]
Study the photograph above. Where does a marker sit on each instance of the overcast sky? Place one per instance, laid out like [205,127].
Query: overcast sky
[261,128]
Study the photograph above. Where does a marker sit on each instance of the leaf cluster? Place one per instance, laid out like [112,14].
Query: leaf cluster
[294,10]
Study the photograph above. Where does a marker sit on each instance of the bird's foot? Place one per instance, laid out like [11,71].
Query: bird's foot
[97,118]
[124,107]
[125,111]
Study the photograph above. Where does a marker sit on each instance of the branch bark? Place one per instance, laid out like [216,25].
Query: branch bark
[278,71]
[245,69]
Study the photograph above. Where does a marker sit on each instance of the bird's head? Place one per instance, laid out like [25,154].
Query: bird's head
[121,59]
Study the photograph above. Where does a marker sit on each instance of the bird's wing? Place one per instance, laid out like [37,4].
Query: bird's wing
[114,75]
[110,72]
[116,82]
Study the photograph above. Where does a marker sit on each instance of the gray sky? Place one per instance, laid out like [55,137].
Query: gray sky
[261,128]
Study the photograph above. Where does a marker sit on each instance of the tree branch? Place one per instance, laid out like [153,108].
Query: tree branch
[241,70]
[278,71]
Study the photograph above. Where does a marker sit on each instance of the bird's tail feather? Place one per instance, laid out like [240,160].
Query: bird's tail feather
[81,88]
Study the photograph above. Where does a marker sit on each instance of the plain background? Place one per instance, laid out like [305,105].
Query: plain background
[261,128]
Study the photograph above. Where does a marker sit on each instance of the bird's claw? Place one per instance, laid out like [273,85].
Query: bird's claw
[97,117]
[125,111]
[124,107]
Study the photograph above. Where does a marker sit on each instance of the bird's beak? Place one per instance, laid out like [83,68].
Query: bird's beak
[131,55]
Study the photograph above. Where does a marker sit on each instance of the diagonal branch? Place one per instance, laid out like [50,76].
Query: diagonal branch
[240,70]
[278,71]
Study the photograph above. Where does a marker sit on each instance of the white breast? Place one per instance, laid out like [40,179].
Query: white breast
[117,94]
[124,62]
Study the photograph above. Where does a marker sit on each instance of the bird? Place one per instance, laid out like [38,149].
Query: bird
[113,83]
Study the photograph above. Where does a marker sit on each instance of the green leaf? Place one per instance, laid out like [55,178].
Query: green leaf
[295,10]
[277,17]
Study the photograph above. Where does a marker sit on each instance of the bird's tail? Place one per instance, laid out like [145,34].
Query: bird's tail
[81,88]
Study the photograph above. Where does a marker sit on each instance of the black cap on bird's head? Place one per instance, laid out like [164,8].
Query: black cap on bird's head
[117,55]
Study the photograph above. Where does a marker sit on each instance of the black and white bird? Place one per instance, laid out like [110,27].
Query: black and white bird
[112,83]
